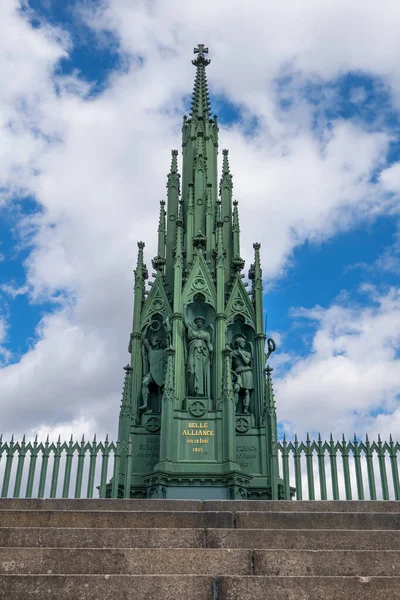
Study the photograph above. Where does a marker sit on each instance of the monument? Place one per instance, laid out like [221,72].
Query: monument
[198,412]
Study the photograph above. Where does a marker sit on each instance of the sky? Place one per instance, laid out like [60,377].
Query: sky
[92,96]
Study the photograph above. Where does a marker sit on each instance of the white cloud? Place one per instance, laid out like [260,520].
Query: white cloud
[97,166]
[353,370]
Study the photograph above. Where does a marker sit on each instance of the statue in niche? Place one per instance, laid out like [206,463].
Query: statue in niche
[199,355]
[242,371]
[154,356]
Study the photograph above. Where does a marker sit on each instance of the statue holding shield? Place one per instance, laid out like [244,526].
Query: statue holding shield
[154,356]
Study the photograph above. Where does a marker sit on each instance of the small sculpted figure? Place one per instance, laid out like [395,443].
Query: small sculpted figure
[199,357]
[242,372]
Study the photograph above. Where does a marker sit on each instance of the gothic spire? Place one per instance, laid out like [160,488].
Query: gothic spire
[200,99]
[173,175]
[236,230]
[126,394]
[226,179]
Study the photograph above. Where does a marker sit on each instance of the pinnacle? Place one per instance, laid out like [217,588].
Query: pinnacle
[174,161]
[200,98]
[225,162]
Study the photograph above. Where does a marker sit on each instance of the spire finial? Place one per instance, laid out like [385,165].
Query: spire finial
[225,161]
[200,58]
[200,98]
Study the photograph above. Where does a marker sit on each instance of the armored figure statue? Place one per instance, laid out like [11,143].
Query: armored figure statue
[199,357]
[242,372]
[154,367]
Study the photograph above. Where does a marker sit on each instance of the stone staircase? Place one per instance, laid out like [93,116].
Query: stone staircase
[215,550]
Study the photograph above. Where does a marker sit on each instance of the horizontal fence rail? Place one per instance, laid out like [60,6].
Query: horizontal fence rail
[320,470]
[311,470]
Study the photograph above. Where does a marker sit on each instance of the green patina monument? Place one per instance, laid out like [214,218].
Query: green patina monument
[198,414]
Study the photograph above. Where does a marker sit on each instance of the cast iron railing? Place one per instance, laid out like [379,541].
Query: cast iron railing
[314,470]
[84,466]
[320,470]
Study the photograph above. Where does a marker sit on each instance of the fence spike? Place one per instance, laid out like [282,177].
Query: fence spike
[331,439]
[308,438]
[83,439]
[355,439]
[94,439]
[390,438]
[343,439]
[12,438]
[47,440]
[23,439]
[379,438]
[284,438]
[1,437]
[295,438]
[59,439]
[71,440]
[106,438]
[366,438]
[35,442]
[319,437]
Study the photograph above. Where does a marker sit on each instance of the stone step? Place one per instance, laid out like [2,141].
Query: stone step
[108,518]
[379,506]
[317,563]
[196,587]
[114,504]
[307,588]
[104,587]
[123,504]
[199,519]
[96,537]
[322,520]
[303,539]
[199,561]
[126,561]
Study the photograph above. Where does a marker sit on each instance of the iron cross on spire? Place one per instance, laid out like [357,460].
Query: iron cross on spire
[200,51]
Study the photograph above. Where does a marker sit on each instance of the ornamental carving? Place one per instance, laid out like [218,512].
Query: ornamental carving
[197,408]
[153,424]
[242,425]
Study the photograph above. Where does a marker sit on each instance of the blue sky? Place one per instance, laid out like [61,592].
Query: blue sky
[92,102]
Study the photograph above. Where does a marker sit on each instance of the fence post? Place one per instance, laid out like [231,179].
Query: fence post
[395,470]
[346,469]
[297,470]
[92,467]
[127,485]
[357,465]
[285,469]
[43,468]
[321,468]
[334,474]
[67,470]
[7,470]
[79,469]
[32,467]
[20,467]
[310,470]
[56,468]
[104,469]
[116,472]
[370,469]
[382,469]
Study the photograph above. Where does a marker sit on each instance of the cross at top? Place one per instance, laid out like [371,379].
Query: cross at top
[201,51]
